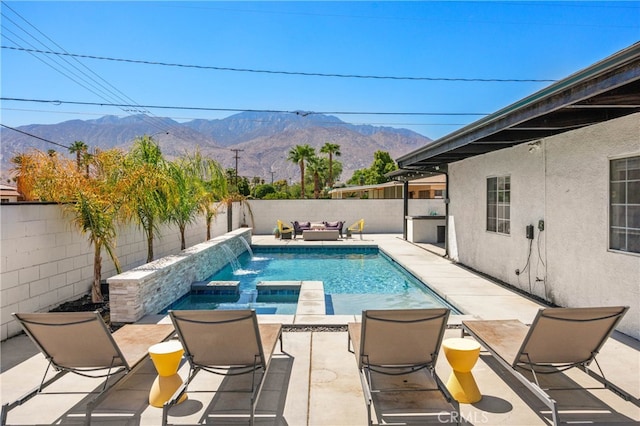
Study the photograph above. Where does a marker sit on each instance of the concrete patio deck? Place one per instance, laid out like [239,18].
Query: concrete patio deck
[315,382]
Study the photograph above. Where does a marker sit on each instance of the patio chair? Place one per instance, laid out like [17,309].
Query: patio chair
[337,225]
[228,343]
[396,351]
[81,343]
[557,340]
[285,230]
[356,227]
[300,227]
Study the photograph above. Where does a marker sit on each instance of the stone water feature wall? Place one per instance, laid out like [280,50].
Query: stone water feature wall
[150,288]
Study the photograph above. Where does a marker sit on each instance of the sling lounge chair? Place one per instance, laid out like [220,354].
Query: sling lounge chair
[396,351]
[557,340]
[228,343]
[81,343]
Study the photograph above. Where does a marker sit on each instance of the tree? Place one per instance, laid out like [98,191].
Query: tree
[375,174]
[212,178]
[316,167]
[331,149]
[92,202]
[184,194]
[261,191]
[24,166]
[80,149]
[299,154]
[146,187]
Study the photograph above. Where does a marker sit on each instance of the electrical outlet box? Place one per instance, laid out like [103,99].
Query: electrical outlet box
[541,225]
[530,232]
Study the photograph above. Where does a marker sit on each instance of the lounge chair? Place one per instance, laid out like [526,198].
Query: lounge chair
[81,343]
[397,350]
[557,340]
[285,231]
[225,342]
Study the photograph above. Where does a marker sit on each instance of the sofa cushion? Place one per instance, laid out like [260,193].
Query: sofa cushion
[332,224]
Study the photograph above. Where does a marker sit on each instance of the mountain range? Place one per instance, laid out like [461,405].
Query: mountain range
[258,141]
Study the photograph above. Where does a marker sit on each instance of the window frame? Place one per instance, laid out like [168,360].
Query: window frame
[498,219]
[625,182]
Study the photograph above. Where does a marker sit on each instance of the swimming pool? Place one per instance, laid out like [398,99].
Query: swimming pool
[354,279]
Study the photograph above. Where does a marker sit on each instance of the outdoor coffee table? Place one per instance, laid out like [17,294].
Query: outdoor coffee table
[166,358]
[321,235]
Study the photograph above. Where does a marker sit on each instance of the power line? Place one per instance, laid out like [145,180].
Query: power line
[296,112]
[306,74]
[34,136]
[88,79]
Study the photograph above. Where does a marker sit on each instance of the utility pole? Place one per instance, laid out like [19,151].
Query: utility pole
[236,151]
[272,177]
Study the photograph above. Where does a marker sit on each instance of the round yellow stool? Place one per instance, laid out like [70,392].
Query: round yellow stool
[166,358]
[462,354]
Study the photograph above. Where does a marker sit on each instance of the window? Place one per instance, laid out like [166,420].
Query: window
[499,204]
[624,204]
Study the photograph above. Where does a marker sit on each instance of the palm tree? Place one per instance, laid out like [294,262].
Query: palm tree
[196,183]
[79,148]
[146,186]
[212,177]
[299,154]
[316,167]
[331,149]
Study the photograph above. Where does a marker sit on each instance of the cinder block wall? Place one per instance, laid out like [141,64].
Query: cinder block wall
[45,261]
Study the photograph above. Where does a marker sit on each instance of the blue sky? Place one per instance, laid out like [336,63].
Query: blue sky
[514,40]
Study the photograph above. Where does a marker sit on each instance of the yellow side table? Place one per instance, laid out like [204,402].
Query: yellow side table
[166,358]
[462,355]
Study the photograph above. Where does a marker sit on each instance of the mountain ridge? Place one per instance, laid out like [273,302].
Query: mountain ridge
[261,141]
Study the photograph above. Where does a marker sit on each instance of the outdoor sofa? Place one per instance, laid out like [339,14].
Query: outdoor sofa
[300,227]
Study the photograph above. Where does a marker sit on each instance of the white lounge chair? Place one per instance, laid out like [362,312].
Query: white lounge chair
[225,342]
[396,351]
[81,343]
[558,339]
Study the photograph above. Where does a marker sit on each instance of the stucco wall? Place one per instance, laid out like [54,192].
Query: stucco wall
[564,181]
[380,216]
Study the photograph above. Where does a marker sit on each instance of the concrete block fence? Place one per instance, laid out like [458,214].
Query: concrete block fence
[46,261]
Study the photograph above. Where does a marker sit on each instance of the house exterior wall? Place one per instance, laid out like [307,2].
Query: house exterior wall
[563,180]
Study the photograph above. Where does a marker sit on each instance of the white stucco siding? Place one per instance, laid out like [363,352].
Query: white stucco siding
[496,254]
[564,181]
[582,270]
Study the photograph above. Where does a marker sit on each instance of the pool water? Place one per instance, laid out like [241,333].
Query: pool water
[354,279]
